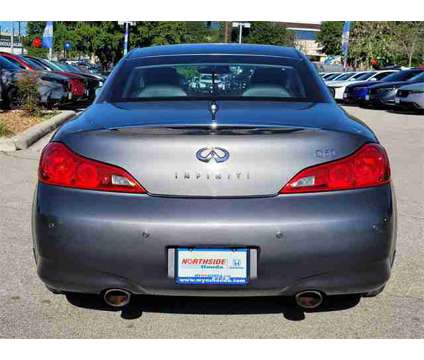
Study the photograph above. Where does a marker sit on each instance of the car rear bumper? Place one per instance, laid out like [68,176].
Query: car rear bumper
[338,243]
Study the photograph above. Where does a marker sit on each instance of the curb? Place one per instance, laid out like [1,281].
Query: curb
[36,132]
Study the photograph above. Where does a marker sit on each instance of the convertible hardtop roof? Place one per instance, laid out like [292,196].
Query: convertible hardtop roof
[215,49]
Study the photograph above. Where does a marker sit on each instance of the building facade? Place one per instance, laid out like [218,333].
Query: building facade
[6,43]
[306,39]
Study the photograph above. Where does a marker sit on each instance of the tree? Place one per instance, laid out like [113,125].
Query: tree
[104,39]
[371,40]
[34,29]
[263,32]
[148,33]
[330,37]
[408,38]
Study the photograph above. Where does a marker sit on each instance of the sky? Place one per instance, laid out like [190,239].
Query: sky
[6,26]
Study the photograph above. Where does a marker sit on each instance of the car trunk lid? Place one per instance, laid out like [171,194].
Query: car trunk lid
[183,154]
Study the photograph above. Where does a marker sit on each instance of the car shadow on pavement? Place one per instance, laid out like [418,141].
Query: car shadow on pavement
[213,306]
[405,112]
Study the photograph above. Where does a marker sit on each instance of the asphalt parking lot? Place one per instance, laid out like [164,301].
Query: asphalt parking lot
[28,310]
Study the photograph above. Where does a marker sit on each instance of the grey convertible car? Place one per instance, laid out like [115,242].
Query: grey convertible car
[258,185]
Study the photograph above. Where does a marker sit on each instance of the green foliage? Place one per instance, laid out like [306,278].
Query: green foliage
[149,33]
[330,37]
[34,29]
[28,94]
[370,40]
[105,39]
[188,72]
[390,42]
[3,129]
[38,52]
[408,41]
[263,32]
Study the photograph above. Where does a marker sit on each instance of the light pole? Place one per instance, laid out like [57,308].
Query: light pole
[12,40]
[126,38]
[19,36]
[241,25]
[127,31]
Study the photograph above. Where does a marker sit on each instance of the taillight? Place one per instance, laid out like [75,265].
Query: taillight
[61,166]
[77,87]
[369,166]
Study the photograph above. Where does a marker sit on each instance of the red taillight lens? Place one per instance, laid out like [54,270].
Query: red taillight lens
[369,166]
[61,166]
[77,87]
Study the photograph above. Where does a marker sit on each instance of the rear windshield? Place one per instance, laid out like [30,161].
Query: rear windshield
[211,80]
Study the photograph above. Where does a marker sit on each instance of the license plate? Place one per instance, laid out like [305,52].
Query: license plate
[397,100]
[367,97]
[211,266]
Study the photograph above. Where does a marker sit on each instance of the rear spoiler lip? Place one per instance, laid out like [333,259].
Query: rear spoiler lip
[252,128]
[214,127]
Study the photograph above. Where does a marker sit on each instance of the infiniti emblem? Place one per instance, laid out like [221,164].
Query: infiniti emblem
[206,154]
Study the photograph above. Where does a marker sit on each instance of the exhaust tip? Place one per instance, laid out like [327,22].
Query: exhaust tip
[309,299]
[117,297]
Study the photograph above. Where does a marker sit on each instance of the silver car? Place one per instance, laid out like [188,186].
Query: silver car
[263,188]
[411,96]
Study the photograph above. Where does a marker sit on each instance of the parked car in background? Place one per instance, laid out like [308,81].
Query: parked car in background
[53,90]
[266,188]
[7,76]
[78,84]
[383,94]
[379,75]
[411,96]
[91,82]
[75,84]
[339,85]
[362,77]
[86,67]
[94,81]
[365,93]
[77,70]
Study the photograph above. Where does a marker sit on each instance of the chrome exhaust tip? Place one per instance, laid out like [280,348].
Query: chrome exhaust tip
[309,299]
[117,297]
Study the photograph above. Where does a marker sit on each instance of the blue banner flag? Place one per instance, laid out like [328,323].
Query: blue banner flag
[345,38]
[48,35]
